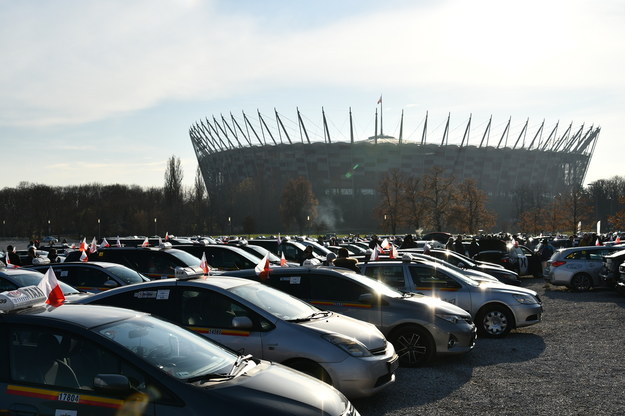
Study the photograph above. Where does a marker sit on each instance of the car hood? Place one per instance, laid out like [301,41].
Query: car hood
[480,275]
[275,389]
[336,323]
[504,288]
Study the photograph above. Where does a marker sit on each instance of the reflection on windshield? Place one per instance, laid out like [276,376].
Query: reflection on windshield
[179,352]
[277,303]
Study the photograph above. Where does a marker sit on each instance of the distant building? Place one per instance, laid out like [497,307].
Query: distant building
[345,175]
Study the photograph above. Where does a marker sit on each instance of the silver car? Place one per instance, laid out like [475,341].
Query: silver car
[578,268]
[251,318]
[420,327]
[495,307]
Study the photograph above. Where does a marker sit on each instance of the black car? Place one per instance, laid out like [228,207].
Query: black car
[222,256]
[93,276]
[610,270]
[153,262]
[101,360]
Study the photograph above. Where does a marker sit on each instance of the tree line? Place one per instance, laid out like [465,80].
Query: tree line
[405,203]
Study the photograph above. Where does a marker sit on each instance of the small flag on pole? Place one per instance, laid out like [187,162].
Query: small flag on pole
[283,261]
[50,287]
[204,264]
[262,268]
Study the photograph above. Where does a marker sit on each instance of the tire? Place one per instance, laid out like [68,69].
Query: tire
[581,282]
[311,368]
[494,321]
[414,346]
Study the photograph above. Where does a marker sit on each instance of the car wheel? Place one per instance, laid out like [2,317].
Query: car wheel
[311,368]
[494,321]
[581,282]
[414,346]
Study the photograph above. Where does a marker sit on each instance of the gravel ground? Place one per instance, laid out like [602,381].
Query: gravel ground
[569,364]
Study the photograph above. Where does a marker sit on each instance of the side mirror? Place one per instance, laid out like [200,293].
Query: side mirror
[462,265]
[242,322]
[110,284]
[367,298]
[112,384]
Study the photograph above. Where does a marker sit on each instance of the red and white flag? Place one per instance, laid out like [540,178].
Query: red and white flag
[118,243]
[50,287]
[204,264]
[393,254]
[375,254]
[83,244]
[618,240]
[262,268]
[145,243]
[283,261]
[84,257]
[166,235]
[597,243]
[104,243]
[385,244]
[93,247]
[380,100]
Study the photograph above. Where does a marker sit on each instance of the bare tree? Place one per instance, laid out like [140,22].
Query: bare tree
[469,213]
[390,189]
[438,194]
[414,206]
[298,204]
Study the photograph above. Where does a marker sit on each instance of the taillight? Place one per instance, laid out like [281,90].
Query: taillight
[557,263]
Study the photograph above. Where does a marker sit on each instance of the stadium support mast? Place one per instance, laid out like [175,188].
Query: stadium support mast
[466,132]
[401,126]
[425,129]
[282,126]
[446,132]
[505,134]
[538,132]
[302,127]
[523,131]
[351,127]
[326,132]
[486,134]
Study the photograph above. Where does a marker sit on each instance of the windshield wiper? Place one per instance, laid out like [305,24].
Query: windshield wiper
[211,376]
[310,317]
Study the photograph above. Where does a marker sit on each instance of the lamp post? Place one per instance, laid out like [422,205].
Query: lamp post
[230,224]
[308,223]
[99,228]
[48,227]
[155,233]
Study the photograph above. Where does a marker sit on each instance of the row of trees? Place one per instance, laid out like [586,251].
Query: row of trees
[433,202]
[404,203]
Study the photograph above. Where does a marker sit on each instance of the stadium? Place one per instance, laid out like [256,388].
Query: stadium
[245,164]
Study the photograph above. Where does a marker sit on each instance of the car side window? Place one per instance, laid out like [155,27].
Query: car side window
[44,356]
[85,276]
[577,255]
[208,309]
[429,278]
[295,285]
[6,285]
[157,301]
[390,275]
[325,287]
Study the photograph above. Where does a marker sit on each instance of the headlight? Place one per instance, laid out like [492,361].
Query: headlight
[349,345]
[525,299]
[450,317]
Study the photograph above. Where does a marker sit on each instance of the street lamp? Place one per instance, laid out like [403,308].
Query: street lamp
[155,233]
[48,227]
[230,224]
[99,228]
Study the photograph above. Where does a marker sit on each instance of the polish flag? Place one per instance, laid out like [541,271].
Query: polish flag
[597,243]
[204,264]
[93,247]
[83,244]
[283,261]
[375,254]
[50,287]
[84,257]
[166,235]
[104,243]
[393,254]
[160,241]
[618,240]
[262,268]
[385,244]
[145,243]
[118,243]
[73,246]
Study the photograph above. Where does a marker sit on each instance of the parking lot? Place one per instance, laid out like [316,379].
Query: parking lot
[572,363]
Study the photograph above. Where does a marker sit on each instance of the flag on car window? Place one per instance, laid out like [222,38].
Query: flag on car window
[145,243]
[84,257]
[204,264]
[83,244]
[393,254]
[93,247]
[50,287]
[283,261]
[104,243]
[262,268]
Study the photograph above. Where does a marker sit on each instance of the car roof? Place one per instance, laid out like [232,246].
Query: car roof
[95,264]
[86,316]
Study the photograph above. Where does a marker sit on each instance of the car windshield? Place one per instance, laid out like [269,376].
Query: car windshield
[263,251]
[379,287]
[455,258]
[126,275]
[186,258]
[179,352]
[457,275]
[33,279]
[277,303]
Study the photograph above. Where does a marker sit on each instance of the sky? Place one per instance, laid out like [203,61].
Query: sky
[106,91]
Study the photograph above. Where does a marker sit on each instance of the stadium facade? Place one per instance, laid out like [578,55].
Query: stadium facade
[245,165]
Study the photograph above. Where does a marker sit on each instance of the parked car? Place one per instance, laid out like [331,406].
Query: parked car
[102,360]
[153,262]
[292,250]
[420,327]
[503,275]
[474,274]
[93,276]
[609,271]
[11,279]
[496,308]
[252,318]
[578,268]
[261,252]
[222,256]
